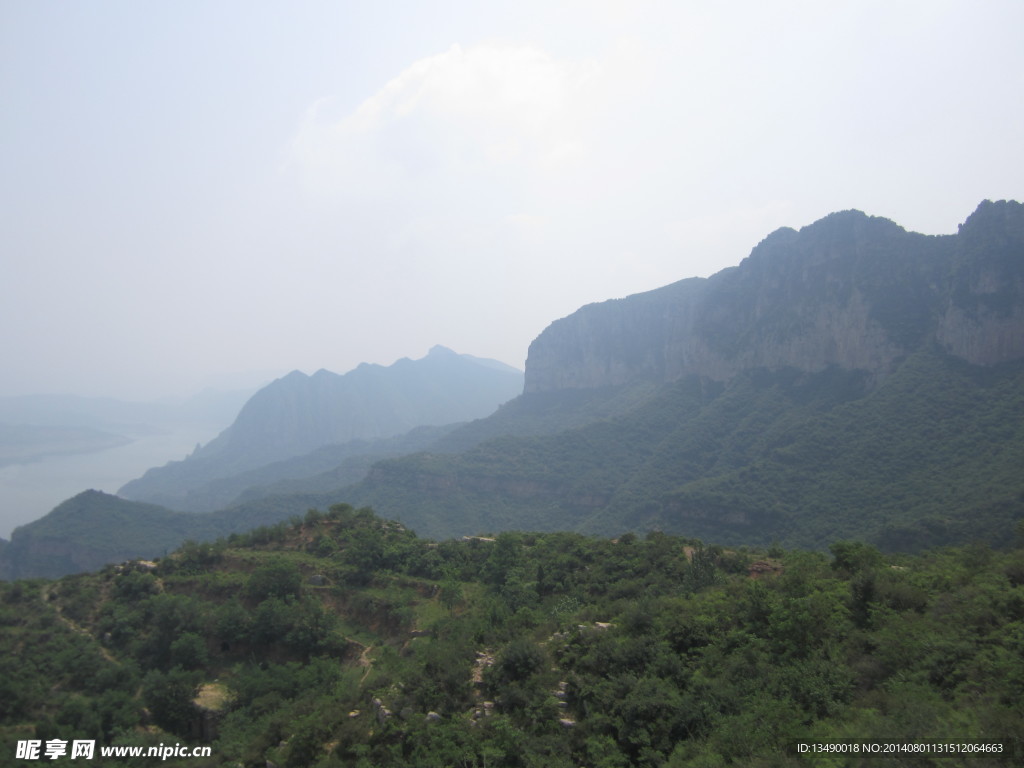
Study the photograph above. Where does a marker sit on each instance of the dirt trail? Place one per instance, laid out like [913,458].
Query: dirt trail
[364,657]
[73,625]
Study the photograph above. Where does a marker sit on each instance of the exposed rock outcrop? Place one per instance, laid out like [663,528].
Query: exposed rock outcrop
[850,290]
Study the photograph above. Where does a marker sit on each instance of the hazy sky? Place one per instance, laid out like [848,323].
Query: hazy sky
[190,190]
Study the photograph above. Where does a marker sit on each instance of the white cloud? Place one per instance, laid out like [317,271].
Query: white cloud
[476,114]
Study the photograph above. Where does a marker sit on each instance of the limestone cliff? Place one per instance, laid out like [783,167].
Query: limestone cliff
[850,290]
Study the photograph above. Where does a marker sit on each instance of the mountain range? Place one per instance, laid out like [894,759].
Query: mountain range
[850,379]
[337,416]
[847,380]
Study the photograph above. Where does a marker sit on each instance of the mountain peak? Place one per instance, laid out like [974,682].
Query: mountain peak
[853,291]
[298,414]
[1001,213]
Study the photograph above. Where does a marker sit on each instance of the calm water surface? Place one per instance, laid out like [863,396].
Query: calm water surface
[29,491]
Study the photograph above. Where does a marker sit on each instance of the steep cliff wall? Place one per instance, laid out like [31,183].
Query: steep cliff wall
[983,317]
[850,290]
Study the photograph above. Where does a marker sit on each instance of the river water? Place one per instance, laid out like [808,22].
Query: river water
[29,491]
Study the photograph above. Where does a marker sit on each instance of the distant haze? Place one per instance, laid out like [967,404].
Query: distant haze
[77,443]
[29,491]
[196,191]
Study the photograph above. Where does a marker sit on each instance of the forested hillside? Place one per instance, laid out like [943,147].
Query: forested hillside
[342,639]
[850,379]
[92,529]
[931,456]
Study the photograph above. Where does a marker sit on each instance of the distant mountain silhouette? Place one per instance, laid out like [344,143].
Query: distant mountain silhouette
[298,414]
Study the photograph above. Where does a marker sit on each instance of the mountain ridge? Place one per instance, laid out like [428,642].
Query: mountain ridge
[297,414]
[828,294]
[842,307]
[848,379]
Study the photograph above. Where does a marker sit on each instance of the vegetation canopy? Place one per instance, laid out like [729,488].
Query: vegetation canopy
[342,639]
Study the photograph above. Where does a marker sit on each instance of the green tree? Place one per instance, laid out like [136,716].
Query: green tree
[169,697]
[188,651]
[451,593]
[854,556]
[278,577]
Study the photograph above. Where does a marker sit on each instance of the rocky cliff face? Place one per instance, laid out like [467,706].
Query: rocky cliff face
[983,318]
[850,290]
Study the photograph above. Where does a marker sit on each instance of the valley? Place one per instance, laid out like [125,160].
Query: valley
[847,380]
